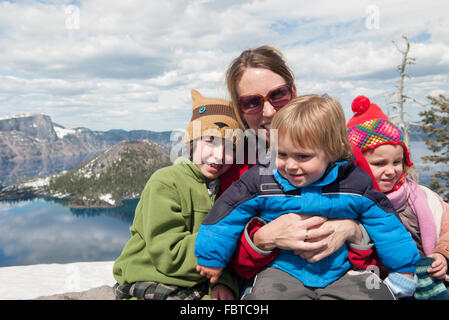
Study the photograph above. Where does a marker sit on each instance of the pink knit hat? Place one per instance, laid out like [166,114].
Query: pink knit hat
[370,128]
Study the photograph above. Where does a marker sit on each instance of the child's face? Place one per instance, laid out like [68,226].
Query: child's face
[387,165]
[213,156]
[300,166]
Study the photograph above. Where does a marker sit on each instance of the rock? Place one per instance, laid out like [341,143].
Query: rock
[99,293]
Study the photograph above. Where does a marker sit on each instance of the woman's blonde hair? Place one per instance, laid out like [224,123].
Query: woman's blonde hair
[315,121]
[265,57]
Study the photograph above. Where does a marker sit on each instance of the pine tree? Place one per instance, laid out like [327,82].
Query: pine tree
[436,125]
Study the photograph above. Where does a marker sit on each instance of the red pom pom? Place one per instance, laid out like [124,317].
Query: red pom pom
[360,104]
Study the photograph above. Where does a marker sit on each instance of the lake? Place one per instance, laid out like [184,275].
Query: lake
[418,149]
[45,231]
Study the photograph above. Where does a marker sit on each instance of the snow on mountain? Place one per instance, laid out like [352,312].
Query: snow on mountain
[118,173]
[17,116]
[61,132]
[107,198]
[33,145]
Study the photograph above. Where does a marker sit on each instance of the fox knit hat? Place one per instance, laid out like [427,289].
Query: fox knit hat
[212,117]
[370,128]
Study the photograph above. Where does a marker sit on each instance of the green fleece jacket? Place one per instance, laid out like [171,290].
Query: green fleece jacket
[172,206]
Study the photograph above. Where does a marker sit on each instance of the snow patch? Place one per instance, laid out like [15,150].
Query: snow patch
[86,171]
[25,115]
[88,174]
[62,132]
[61,195]
[41,182]
[108,199]
[28,282]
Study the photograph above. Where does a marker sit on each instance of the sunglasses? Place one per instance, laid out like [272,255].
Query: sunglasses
[278,97]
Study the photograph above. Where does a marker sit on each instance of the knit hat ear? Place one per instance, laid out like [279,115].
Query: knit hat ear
[211,117]
[370,127]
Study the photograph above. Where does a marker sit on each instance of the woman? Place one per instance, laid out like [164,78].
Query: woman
[260,83]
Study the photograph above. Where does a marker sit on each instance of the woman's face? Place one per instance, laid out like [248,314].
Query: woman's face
[260,81]
[387,165]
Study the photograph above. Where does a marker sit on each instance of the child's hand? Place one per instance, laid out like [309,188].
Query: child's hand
[221,292]
[209,272]
[438,269]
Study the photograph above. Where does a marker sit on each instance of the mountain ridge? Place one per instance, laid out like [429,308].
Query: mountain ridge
[32,145]
[116,174]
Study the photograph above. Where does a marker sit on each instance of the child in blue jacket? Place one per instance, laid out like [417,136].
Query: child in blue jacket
[314,174]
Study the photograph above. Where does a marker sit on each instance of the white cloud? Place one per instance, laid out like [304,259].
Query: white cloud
[131,64]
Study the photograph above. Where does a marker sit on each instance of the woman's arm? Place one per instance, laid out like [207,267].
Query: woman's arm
[442,246]
[294,232]
[249,258]
[439,267]
[253,253]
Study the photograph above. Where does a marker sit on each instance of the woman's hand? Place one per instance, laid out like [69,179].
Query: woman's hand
[294,232]
[311,237]
[345,230]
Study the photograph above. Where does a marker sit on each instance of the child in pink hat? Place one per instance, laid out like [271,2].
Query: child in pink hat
[380,149]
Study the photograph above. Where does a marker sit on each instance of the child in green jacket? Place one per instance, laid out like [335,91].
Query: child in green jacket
[158,260]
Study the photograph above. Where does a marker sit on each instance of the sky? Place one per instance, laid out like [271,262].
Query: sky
[131,64]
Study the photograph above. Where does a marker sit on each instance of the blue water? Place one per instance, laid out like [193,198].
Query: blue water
[419,149]
[45,231]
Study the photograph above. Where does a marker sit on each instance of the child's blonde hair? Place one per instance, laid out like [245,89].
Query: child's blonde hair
[315,121]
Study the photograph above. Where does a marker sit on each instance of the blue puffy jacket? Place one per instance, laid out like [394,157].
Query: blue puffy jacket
[344,192]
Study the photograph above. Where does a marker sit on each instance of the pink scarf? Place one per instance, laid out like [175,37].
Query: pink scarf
[411,192]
